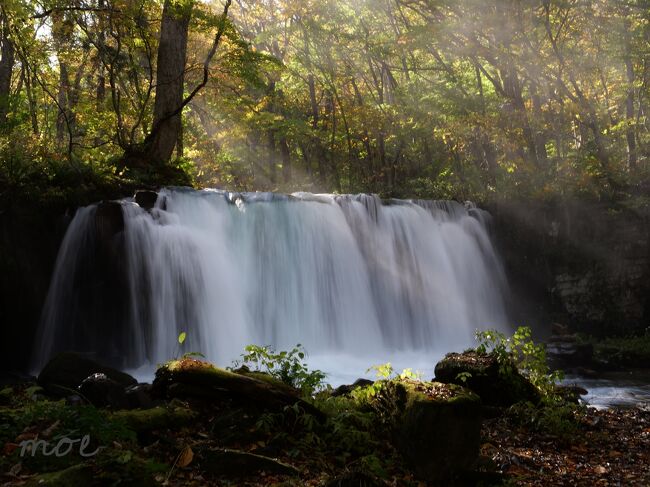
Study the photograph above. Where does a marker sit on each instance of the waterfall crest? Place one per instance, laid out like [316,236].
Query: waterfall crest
[348,274]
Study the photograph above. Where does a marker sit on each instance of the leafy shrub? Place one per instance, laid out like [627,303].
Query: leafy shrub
[286,366]
[521,352]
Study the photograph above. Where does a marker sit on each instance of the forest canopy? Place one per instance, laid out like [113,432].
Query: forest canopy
[412,98]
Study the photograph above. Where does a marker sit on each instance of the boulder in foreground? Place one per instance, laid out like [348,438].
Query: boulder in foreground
[436,427]
[189,377]
[482,373]
[64,373]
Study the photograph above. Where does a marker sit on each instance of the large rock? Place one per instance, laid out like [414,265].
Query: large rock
[64,373]
[436,427]
[101,391]
[195,378]
[482,373]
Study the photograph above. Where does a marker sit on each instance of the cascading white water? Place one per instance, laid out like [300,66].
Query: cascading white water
[346,276]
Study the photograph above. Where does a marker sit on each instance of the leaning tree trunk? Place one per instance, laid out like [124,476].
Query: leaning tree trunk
[159,145]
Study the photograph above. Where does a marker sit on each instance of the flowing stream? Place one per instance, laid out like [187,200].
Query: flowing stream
[355,280]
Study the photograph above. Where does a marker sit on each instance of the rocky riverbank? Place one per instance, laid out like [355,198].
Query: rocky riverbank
[479,422]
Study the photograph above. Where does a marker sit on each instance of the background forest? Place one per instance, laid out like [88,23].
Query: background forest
[410,98]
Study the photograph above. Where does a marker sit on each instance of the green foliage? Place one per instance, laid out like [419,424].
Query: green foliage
[553,416]
[464,376]
[521,352]
[287,366]
[30,414]
[631,351]
[432,117]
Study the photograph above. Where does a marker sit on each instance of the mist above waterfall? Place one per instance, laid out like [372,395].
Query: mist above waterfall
[349,277]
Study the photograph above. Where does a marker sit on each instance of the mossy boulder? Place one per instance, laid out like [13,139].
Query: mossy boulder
[144,420]
[266,377]
[67,370]
[497,385]
[436,427]
[189,377]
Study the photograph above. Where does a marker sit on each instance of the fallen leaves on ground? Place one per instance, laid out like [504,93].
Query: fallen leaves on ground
[612,448]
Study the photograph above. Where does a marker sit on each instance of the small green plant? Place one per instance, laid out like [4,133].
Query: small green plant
[181,340]
[520,352]
[464,376]
[286,366]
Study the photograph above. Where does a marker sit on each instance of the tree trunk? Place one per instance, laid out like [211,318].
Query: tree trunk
[159,145]
[33,112]
[62,101]
[285,153]
[6,68]
[629,101]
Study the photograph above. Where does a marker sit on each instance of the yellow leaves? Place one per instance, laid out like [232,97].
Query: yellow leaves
[600,470]
[185,457]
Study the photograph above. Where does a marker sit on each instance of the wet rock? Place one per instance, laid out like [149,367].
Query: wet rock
[241,464]
[436,427]
[103,392]
[482,373]
[65,372]
[146,198]
[348,388]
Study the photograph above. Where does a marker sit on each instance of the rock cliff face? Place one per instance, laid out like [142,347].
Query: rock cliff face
[584,264]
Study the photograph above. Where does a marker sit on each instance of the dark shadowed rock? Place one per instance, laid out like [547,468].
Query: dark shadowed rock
[436,427]
[103,392]
[482,373]
[65,372]
[146,198]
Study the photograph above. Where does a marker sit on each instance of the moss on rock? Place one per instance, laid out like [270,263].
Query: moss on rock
[435,426]
[496,384]
[141,420]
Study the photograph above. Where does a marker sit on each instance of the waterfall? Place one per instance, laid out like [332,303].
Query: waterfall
[345,275]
